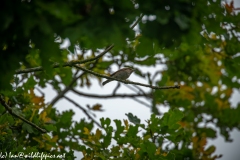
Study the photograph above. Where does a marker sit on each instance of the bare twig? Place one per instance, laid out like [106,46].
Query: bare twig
[70,86]
[84,110]
[61,94]
[71,63]
[136,89]
[43,94]
[137,21]
[116,88]
[9,109]
[109,96]
[141,102]
[127,82]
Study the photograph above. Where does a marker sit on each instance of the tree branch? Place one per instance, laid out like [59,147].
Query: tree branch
[116,88]
[138,100]
[136,89]
[70,86]
[9,109]
[109,96]
[66,89]
[137,21]
[127,82]
[84,110]
[141,102]
[71,63]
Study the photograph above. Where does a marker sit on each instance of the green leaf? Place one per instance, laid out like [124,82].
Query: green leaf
[66,119]
[27,127]
[149,148]
[175,116]
[133,119]
[66,75]
[208,131]
[6,118]
[30,83]
[106,141]
[210,150]
[120,128]
[145,47]
[50,127]
[104,122]
[116,151]
[171,118]
[132,131]
[163,80]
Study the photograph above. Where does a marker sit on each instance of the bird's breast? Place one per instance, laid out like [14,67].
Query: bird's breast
[121,75]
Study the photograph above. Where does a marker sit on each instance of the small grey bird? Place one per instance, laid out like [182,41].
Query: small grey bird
[122,74]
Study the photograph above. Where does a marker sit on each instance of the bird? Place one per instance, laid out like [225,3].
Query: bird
[121,74]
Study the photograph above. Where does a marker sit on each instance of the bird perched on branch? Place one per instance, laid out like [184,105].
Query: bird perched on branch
[121,74]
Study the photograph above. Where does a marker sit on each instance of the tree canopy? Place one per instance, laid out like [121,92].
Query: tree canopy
[197,42]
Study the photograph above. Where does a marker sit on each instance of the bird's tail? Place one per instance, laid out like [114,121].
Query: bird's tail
[105,82]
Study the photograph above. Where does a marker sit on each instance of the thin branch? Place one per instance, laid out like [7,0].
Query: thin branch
[137,21]
[127,82]
[141,102]
[9,109]
[116,88]
[28,70]
[43,94]
[71,63]
[109,96]
[66,89]
[70,86]
[138,100]
[136,89]
[84,110]
[133,96]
